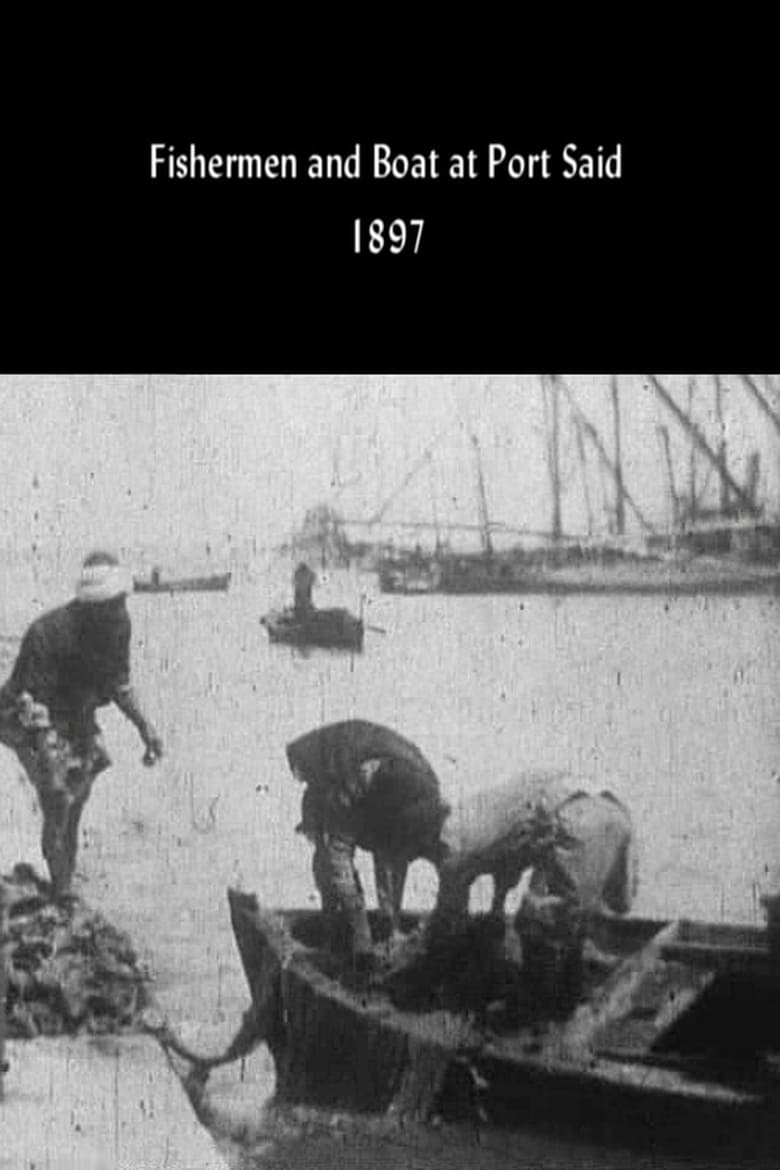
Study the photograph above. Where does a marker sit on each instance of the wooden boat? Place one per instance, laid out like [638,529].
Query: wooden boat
[325,628]
[675,1049]
[157,584]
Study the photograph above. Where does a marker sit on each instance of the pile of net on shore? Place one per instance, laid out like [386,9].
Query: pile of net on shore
[68,970]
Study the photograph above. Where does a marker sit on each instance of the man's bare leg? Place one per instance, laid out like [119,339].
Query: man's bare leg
[71,832]
[55,809]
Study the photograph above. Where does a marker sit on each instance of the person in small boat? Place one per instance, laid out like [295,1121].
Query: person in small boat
[304,581]
[369,788]
[579,846]
[72,660]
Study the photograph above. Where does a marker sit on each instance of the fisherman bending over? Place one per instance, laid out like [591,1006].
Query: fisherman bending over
[580,847]
[72,660]
[366,787]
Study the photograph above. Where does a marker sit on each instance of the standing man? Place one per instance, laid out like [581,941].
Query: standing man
[304,581]
[366,787]
[72,660]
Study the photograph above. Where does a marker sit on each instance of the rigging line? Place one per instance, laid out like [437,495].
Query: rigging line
[416,466]
[584,473]
[761,400]
[662,434]
[702,444]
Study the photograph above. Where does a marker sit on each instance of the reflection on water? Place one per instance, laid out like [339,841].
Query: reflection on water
[671,703]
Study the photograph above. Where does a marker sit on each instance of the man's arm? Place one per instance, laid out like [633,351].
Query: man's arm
[127,700]
[128,703]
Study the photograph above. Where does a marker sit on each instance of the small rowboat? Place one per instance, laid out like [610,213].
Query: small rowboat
[674,1049]
[327,628]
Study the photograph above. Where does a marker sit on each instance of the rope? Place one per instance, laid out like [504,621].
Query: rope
[249,1035]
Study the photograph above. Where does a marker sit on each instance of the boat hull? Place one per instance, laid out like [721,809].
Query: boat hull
[670,582]
[620,575]
[337,1048]
[328,629]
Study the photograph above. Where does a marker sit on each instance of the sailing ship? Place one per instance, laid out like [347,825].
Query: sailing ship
[729,549]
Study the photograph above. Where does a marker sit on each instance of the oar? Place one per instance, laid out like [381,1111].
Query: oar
[373,629]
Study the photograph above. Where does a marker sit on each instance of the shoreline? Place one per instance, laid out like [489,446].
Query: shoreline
[86,1084]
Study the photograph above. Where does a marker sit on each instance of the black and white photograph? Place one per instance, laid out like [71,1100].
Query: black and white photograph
[390,770]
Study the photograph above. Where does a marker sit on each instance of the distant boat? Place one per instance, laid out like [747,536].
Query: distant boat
[409,573]
[331,629]
[155,583]
[673,1049]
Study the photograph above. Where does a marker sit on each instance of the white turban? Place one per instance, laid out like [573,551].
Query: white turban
[103,582]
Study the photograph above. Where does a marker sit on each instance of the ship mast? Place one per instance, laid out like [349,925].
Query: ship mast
[724,487]
[484,520]
[150,405]
[584,472]
[620,507]
[551,400]
[436,527]
[692,501]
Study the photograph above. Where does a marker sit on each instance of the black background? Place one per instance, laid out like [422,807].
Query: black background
[671,264]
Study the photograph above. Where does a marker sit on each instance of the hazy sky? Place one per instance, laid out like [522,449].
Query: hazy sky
[130,461]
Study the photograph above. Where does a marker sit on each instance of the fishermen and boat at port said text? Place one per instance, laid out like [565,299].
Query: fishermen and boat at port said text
[72,660]
[367,787]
